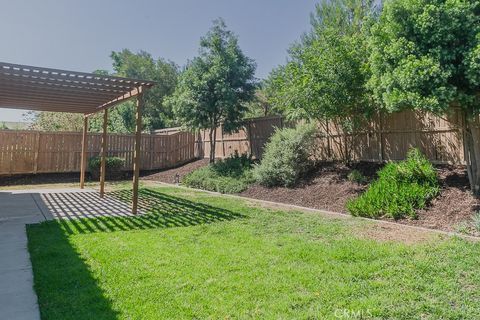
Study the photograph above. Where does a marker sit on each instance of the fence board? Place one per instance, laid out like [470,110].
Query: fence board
[47,152]
[386,137]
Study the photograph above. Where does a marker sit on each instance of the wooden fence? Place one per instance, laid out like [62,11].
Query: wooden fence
[45,152]
[386,137]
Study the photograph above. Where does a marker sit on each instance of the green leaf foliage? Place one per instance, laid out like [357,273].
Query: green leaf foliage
[113,166]
[327,72]
[156,113]
[215,85]
[425,55]
[232,175]
[401,189]
[287,156]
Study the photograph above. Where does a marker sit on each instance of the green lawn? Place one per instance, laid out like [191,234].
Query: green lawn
[202,256]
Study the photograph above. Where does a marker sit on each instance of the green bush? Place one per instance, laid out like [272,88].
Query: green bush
[287,156]
[401,189]
[356,176]
[113,166]
[231,175]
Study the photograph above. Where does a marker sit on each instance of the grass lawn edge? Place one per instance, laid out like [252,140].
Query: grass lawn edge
[280,205]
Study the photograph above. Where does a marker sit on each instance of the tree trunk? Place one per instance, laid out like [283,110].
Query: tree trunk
[212,145]
[212,160]
[473,154]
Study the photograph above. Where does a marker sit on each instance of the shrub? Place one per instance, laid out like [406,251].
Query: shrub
[231,175]
[356,176]
[287,157]
[401,189]
[113,166]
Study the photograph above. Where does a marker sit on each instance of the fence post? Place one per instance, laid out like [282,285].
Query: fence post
[249,131]
[329,147]
[380,137]
[223,142]
[37,151]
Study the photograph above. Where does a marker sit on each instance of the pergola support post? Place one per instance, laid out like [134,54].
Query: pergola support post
[103,154]
[83,160]
[138,141]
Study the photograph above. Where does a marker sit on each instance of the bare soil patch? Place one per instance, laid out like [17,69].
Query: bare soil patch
[396,233]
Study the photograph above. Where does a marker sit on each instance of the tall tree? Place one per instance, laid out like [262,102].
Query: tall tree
[141,65]
[216,85]
[325,78]
[425,55]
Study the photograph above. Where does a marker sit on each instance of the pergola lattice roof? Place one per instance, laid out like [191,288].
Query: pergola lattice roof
[45,89]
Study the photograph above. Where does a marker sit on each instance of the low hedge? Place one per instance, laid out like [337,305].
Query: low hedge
[113,165]
[232,175]
[401,189]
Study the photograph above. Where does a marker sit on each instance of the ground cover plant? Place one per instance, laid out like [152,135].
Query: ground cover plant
[202,256]
[231,175]
[401,188]
[288,156]
[113,166]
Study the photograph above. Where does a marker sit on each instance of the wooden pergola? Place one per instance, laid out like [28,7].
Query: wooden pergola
[44,89]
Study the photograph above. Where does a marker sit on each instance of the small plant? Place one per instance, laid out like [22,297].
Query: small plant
[400,189]
[287,157]
[113,166]
[232,175]
[356,176]
[476,221]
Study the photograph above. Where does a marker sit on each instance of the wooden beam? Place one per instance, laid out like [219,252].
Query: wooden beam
[49,85]
[135,92]
[10,67]
[104,154]
[83,163]
[136,156]
[65,78]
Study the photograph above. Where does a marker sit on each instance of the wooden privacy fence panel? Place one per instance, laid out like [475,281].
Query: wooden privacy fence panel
[45,152]
[385,137]
[250,139]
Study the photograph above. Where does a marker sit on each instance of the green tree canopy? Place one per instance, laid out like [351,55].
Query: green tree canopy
[327,71]
[425,55]
[142,65]
[216,85]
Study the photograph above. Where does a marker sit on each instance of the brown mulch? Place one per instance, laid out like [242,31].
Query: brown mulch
[455,204]
[329,189]
[168,176]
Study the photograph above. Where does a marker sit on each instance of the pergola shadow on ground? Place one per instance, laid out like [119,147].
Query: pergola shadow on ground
[86,212]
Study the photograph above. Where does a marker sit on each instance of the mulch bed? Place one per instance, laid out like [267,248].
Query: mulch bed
[327,188]
[168,176]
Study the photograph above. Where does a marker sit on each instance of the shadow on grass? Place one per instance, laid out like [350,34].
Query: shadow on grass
[65,285]
[87,213]
[63,281]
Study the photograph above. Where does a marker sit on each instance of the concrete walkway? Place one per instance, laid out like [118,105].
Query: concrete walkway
[18,300]
[17,297]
